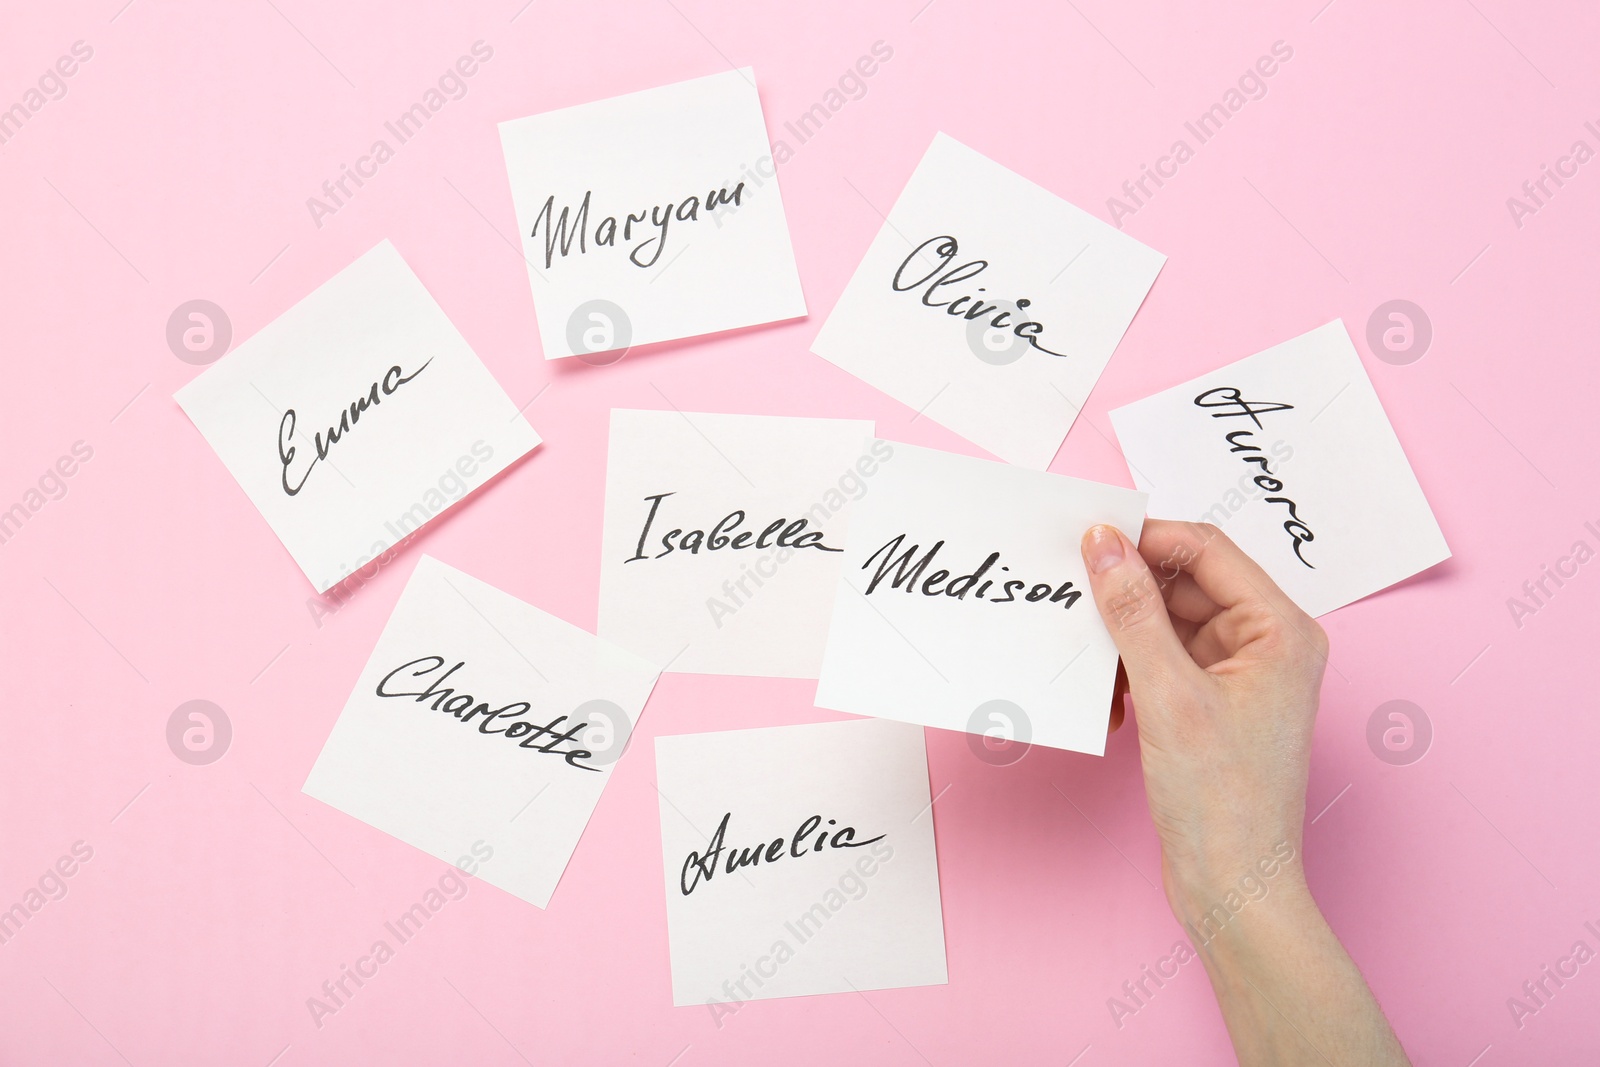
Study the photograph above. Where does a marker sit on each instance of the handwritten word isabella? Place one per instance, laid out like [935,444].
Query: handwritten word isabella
[560,233]
[1231,404]
[466,708]
[699,867]
[942,275]
[392,380]
[780,533]
[907,573]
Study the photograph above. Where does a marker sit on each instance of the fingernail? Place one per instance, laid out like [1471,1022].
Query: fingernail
[1103,547]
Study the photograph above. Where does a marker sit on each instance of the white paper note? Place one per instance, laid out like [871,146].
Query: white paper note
[799,860]
[358,416]
[1289,452]
[723,536]
[651,216]
[481,720]
[963,602]
[970,246]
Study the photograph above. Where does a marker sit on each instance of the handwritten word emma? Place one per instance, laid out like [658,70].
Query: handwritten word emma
[908,572]
[392,380]
[780,533]
[942,275]
[702,867]
[466,707]
[559,232]
[1229,403]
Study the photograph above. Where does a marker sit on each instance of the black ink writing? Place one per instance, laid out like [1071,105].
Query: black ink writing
[945,249]
[392,380]
[907,571]
[703,866]
[779,533]
[1229,403]
[468,708]
[561,230]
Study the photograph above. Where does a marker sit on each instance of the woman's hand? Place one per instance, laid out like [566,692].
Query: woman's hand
[1224,673]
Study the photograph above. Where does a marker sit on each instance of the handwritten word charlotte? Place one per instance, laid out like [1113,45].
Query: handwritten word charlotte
[931,282]
[1231,404]
[906,572]
[559,231]
[466,707]
[392,380]
[779,533]
[702,867]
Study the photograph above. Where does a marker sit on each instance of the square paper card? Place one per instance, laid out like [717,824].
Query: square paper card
[482,725]
[652,216]
[799,860]
[723,536]
[988,304]
[1289,453]
[964,604]
[356,417]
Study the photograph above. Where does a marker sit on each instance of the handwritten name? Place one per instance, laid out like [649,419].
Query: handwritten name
[702,866]
[780,533]
[392,380]
[945,250]
[906,571]
[467,708]
[560,231]
[1230,404]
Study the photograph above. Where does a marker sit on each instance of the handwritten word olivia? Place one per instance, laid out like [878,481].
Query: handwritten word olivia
[1233,405]
[943,274]
[392,380]
[558,233]
[466,707]
[704,865]
[907,574]
[789,535]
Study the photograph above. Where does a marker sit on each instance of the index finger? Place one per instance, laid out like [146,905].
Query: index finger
[1222,570]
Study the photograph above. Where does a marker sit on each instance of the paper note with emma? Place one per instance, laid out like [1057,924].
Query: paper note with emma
[356,417]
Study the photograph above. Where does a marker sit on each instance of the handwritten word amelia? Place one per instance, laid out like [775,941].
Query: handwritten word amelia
[392,380]
[788,535]
[559,232]
[942,274]
[906,572]
[704,865]
[466,707]
[1232,405]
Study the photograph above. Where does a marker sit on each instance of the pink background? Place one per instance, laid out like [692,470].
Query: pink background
[219,898]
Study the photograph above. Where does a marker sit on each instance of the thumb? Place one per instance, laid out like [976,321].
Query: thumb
[1130,603]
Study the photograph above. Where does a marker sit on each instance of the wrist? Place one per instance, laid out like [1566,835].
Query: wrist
[1209,895]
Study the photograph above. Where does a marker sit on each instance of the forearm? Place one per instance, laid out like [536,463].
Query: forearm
[1289,992]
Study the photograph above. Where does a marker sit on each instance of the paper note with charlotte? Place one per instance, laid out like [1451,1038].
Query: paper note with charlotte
[480,719]
[799,860]
[723,536]
[647,217]
[356,417]
[1290,453]
[988,304]
[963,602]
